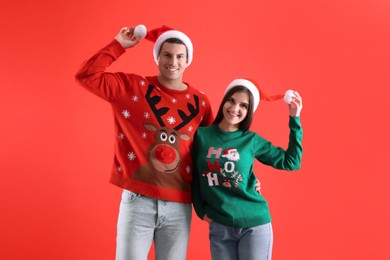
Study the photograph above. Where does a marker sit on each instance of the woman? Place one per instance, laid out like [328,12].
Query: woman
[226,192]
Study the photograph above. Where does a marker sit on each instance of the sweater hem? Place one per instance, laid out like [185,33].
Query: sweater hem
[148,190]
[250,224]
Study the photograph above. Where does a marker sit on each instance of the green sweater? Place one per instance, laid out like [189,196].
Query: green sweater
[223,185]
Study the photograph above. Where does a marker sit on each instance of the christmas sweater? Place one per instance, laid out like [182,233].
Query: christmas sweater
[154,127]
[224,185]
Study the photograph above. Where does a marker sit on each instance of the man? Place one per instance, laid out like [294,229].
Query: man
[155,119]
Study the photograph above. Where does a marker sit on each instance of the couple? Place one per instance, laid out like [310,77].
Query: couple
[156,126]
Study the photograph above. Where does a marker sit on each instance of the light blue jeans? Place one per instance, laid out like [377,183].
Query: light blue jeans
[231,243]
[143,220]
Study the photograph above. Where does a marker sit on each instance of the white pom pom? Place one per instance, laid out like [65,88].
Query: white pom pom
[140,31]
[288,96]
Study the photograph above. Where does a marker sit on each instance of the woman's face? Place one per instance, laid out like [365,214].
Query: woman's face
[235,110]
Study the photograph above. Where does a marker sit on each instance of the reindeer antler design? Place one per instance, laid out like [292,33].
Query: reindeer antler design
[193,112]
[153,101]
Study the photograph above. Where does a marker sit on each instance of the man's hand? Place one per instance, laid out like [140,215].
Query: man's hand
[207,219]
[126,37]
[258,186]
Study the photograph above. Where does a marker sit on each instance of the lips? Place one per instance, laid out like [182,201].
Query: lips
[172,69]
[233,114]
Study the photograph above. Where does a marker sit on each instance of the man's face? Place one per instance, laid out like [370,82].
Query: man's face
[172,61]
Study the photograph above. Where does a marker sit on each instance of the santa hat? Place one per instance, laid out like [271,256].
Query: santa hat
[253,87]
[229,150]
[160,35]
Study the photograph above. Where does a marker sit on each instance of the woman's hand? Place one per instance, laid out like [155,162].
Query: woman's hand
[295,106]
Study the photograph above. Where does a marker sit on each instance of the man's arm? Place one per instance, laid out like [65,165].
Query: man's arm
[92,73]
[208,117]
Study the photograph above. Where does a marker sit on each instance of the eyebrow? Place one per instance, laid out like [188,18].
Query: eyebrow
[231,97]
[167,52]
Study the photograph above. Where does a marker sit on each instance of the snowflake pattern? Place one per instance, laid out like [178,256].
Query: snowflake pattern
[142,83]
[171,120]
[126,113]
[174,100]
[190,128]
[135,98]
[203,103]
[146,115]
[121,136]
[119,169]
[144,135]
[188,96]
[131,156]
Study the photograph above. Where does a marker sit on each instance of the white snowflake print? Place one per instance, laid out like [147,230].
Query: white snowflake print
[131,156]
[171,120]
[190,128]
[203,103]
[144,135]
[146,115]
[142,83]
[121,136]
[119,169]
[188,96]
[174,100]
[126,113]
[188,169]
[135,98]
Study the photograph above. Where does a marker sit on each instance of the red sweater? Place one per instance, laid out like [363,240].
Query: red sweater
[154,127]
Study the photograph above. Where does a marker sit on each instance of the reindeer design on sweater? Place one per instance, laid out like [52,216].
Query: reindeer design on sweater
[163,156]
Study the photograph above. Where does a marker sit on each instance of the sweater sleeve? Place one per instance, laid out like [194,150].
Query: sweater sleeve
[195,189]
[278,158]
[93,77]
[208,117]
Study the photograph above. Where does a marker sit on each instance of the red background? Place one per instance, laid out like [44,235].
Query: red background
[57,139]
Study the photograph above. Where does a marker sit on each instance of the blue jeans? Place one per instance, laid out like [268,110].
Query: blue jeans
[143,220]
[231,243]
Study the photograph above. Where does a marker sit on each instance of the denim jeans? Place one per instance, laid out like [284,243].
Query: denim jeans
[143,220]
[231,243]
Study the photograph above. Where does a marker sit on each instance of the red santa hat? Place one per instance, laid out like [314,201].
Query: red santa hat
[160,35]
[229,150]
[257,93]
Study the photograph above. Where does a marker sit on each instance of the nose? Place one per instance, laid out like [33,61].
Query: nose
[174,60]
[165,154]
[235,107]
